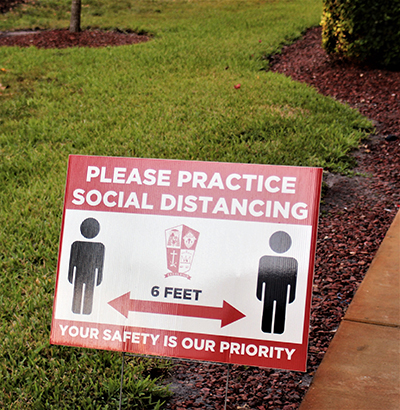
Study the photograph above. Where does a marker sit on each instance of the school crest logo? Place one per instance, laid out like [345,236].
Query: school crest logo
[181,242]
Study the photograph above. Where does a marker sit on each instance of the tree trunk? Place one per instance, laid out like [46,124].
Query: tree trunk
[75,23]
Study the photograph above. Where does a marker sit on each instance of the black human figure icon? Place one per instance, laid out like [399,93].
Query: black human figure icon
[86,267]
[275,275]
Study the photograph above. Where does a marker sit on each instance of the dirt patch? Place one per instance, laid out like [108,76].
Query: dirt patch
[7,5]
[65,39]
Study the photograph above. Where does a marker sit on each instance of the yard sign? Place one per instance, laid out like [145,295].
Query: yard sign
[197,260]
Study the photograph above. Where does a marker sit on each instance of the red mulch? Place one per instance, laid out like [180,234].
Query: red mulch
[63,39]
[355,215]
[374,92]
[7,5]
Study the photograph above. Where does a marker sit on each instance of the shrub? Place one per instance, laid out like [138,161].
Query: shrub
[366,31]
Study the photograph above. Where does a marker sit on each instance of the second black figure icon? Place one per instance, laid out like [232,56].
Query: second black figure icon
[275,275]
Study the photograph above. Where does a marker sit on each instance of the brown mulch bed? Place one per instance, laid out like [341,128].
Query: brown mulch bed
[62,38]
[355,215]
[374,92]
[7,5]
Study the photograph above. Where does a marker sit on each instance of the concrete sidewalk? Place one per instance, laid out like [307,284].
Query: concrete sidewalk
[361,369]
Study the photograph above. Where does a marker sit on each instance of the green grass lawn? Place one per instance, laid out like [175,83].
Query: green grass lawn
[172,97]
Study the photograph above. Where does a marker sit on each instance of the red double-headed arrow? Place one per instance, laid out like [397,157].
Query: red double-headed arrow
[227,313]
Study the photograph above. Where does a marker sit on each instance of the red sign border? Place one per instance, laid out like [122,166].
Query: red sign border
[299,364]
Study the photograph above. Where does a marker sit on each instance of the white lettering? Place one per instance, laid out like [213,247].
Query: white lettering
[283,210]
[288,185]
[106,334]
[268,186]
[127,335]
[205,200]
[223,346]
[268,207]
[301,213]
[260,183]
[94,333]
[92,172]
[229,182]
[210,345]
[134,176]
[180,203]
[106,201]
[241,207]
[145,205]
[168,202]
[187,343]
[97,194]
[103,177]
[84,334]
[63,329]
[191,205]
[253,205]
[132,200]
[221,206]
[235,348]
[172,341]
[121,199]
[251,350]
[117,336]
[73,331]
[216,181]
[154,339]
[119,175]
[184,177]
[78,195]
[249,180]
[164,177]
[279,350]
[145,336]
[199,179]
[150,178]
[289,353]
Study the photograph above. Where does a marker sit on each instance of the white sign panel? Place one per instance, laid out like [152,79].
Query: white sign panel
[208,261]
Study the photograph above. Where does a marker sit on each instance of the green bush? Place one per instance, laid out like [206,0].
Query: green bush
[366,31]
